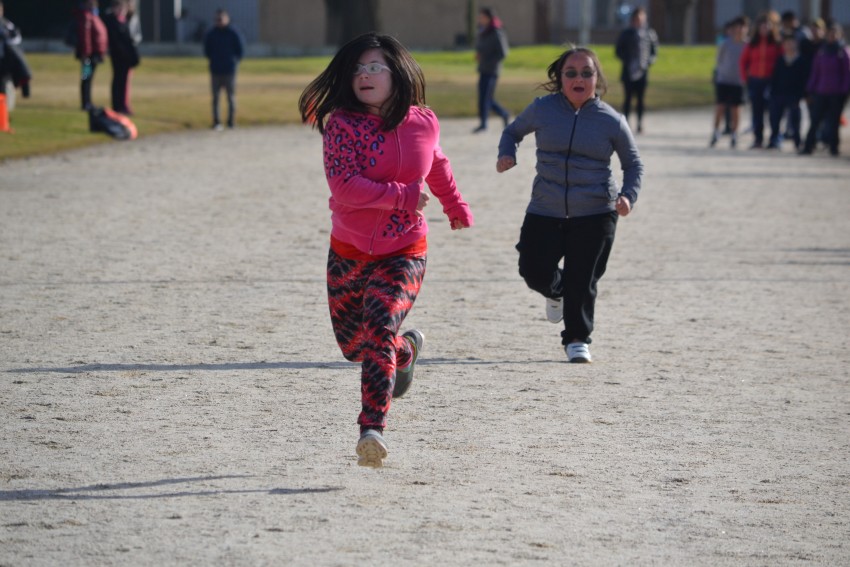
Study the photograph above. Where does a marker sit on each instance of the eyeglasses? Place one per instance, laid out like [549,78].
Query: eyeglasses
[572,74]
[370,68]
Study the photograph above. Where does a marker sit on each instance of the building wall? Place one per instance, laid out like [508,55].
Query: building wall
[438,24]
[292,23]
[432,24]
[199,15]
[294,26]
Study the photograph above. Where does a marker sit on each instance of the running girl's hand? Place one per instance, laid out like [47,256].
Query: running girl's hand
[460,216]
[624,206]
[423,200]
[505,163]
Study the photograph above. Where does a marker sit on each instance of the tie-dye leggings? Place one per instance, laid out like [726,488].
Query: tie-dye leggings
[368,301]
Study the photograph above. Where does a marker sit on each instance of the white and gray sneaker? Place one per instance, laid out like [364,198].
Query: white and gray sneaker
[555,309]
[372,449]
[577,352]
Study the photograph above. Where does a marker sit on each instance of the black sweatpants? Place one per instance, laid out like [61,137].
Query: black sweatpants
[638,90]
[584,243]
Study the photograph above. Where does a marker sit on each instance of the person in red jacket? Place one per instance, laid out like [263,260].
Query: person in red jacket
[92,46]
[381,145]
[756,63]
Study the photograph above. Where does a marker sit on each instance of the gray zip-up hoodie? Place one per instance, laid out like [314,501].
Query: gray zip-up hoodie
[574,149]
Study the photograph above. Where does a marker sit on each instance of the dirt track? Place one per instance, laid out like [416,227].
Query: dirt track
[171,391]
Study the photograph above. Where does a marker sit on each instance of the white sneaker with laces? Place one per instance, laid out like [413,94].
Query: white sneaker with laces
[578,352]
[372,449]
[555,309]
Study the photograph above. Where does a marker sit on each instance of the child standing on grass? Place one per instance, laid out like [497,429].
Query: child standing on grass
[381,145]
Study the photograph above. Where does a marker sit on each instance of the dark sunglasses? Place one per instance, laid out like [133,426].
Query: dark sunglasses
[572,74]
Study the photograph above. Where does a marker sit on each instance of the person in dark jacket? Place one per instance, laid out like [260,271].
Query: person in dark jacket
[122,52]
[14,71]
[223,46]
[490,50]
[91,47]
[8,30]
[575,199]
[637,48]
[787,88]
[829,87]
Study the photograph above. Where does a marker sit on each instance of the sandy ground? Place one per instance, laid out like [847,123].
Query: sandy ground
[171,391]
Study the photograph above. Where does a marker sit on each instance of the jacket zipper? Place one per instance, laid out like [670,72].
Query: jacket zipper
[566,166]
[380,213]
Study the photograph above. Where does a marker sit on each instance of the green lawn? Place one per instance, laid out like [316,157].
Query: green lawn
[171,93]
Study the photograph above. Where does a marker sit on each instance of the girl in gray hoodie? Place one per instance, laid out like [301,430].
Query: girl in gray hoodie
[575,200]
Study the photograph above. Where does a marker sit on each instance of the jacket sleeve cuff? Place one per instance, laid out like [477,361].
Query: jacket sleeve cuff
[409,197]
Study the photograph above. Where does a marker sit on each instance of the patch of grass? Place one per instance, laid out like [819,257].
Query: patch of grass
[172,93]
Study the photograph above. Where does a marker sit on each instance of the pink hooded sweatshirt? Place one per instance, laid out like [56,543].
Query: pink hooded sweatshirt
[375,178]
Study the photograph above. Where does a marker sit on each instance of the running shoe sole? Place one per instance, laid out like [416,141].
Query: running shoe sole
[372,450]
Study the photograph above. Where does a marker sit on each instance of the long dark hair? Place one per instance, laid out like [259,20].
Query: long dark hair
[556,78]
[333,90]
[490,14]
[772,33]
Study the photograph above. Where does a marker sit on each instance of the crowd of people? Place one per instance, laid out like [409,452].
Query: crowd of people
[117,33]
[779,66]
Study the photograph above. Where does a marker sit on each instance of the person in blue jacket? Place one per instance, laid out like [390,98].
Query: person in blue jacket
[224,47]
[575,199]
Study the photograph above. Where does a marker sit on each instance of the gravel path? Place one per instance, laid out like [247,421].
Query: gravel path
[171,391]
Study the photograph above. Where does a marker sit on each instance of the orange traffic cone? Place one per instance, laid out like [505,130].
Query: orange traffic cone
[4,115]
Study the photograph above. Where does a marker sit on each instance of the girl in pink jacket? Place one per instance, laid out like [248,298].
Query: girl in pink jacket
[381,146]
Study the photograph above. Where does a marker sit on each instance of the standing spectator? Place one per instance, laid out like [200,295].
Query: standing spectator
[92,44]
[122,52]
[787,88]
[790,25]
[381,145]
[10,39]
[8,30]
[575,199]
[223,46]
[728,88]
[637,48]
[490,50]
[756,67]
[828,86]
[817,33]
[134,24]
